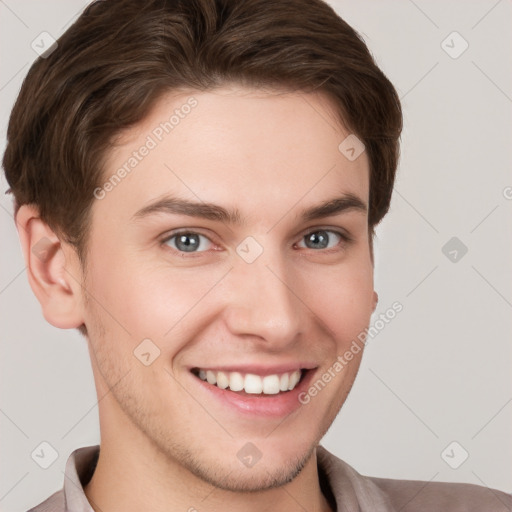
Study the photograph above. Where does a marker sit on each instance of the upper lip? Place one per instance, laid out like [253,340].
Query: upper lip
[257,369]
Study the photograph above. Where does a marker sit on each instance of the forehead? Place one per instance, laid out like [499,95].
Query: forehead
[255,148]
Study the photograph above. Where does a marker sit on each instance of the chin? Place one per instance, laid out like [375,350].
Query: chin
[263,475]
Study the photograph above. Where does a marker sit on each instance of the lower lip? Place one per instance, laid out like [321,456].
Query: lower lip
[278,405]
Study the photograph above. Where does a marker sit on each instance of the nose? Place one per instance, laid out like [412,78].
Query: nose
[262,303]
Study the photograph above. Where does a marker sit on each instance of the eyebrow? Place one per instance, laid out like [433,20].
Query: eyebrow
[175,205]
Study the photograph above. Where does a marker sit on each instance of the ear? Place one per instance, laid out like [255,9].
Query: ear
[53,270]
[375,300]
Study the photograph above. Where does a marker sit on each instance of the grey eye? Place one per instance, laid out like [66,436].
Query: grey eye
[320,239]
[187,242]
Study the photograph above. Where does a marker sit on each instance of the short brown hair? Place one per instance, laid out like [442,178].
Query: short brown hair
[120,56]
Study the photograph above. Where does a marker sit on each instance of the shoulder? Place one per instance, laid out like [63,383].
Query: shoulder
[419,496]
[55,503]
[391,495]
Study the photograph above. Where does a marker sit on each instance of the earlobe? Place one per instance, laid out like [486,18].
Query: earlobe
[54,279]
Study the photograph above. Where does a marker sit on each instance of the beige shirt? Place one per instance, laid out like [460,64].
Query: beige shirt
[344,487]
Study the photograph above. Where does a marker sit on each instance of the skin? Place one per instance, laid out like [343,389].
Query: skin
[164,444]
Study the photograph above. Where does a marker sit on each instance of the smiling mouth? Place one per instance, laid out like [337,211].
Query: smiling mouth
[250,383]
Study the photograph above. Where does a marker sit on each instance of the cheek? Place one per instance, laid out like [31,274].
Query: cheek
[148,299]
[342,299]
[122,296]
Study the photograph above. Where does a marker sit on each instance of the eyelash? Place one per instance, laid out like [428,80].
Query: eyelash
[346,239]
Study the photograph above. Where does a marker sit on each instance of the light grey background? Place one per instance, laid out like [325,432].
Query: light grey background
[440,371]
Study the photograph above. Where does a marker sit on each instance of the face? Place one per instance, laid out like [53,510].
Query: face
[244,289]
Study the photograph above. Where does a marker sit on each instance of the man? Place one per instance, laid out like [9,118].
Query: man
[196,189]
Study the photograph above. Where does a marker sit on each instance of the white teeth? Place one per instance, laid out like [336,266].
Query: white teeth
[294,378]
[222,380]
[283,382]
[236,381]
[271,384]
[251,383]
[210,377]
